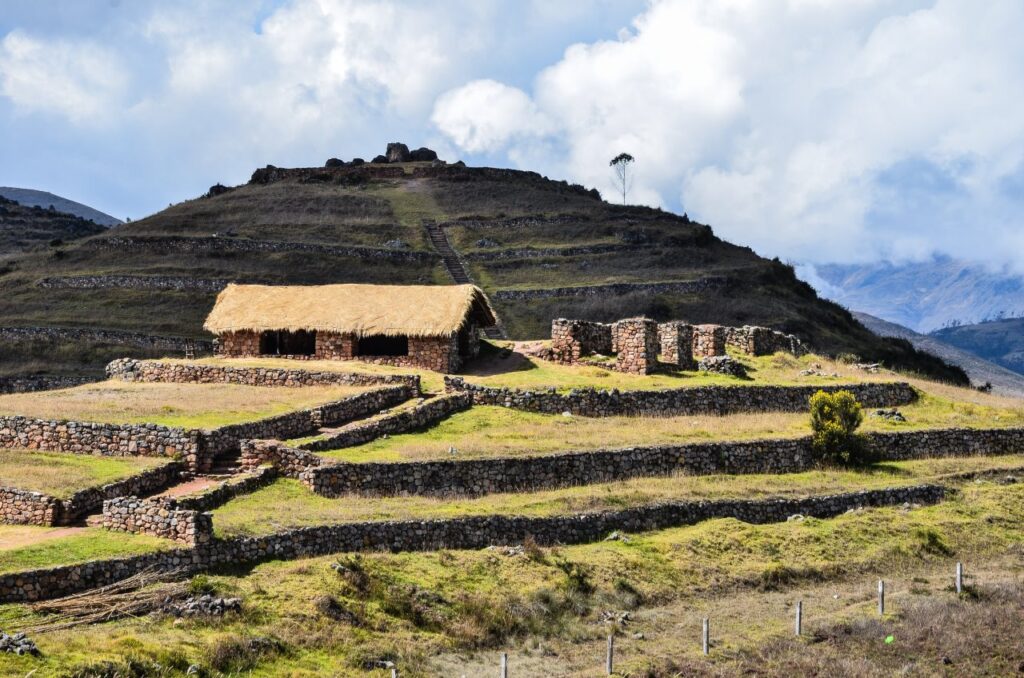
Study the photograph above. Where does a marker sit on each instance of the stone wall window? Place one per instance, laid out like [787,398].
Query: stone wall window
[283,342]
[381,345]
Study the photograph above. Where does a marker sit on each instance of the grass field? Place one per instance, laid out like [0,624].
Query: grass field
[185,405]
[450,612]
[61,475]
[492,431]
[286,504]
[26,547]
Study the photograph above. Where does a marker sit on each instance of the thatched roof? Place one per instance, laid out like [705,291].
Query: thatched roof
[392,310]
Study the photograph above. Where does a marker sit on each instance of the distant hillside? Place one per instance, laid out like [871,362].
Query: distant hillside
[32,198]
[979,370]
[1001,341]
[23,229]
[924,296]
[540,248]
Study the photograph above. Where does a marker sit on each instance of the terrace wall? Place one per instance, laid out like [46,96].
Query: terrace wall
[458,533]
[21,507]
[681,401]
[391,423]
[530,473]
[159,517]
[129,369]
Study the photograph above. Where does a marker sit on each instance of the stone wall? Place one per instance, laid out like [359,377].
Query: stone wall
[680,401]
[227,439]
[40,383]
[440,354]
[390,423]
[73,334]
[160,517]
[459,533]
[708,341]
[289,461]
[236,486]
[676,342]
[22,507]
[636,345]
[683,287]
[130,369]
[134,282]
[573,339]
[753,340]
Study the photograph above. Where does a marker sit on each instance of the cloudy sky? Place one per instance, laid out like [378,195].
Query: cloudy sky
[813,130]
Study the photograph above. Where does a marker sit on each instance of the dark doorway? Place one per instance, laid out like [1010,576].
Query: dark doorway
[378,344]
[283,342]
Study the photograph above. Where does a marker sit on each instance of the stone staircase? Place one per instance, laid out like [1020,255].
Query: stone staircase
[456,269]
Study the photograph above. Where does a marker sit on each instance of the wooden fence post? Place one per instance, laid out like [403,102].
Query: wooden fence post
[799,617]
[959,578]
[504,665]
[881,597]
[706,636]
[610,659]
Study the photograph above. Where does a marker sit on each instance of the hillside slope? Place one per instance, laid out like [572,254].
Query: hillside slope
[25,228]
[33,198]
[1001,341]
[1003,381]
[540,248]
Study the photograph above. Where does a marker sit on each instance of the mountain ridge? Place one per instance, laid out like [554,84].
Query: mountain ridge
[31,198]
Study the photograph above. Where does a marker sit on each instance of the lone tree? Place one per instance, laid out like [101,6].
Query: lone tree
[623,179]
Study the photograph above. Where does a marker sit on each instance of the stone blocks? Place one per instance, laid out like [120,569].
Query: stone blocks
[708,341]
[636,345]
[676,339]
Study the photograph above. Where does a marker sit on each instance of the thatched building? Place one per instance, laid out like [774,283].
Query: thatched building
[431,326]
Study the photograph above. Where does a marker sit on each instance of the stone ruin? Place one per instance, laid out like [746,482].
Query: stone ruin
[637,342]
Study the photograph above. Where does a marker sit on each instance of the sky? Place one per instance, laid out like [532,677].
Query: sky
[812,130]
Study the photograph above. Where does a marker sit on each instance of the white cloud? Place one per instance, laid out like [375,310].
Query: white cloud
[808,129]
[79,80]
[485,116]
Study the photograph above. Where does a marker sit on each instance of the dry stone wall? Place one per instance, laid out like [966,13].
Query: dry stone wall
[130,369]
[160,517]
[134,339]
[636,345]
[134,282]
[390,423]
[22,507]
[237,486]
[683,287]
[681,401]
[40,383]
[459,533]
[708,341]
[289,461]
[676,342]
[753,340]
[573,339]
[109,440]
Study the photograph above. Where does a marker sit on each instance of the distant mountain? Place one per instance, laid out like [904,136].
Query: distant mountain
[924,296]
[1003,380]
[32,198]
[1001,341]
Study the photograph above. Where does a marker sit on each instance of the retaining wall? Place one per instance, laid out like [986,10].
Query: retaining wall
[134,282]
[78,334]
[459,533]
[682,287]
[390,423]
[681,401]
[129,369]
[41,383]
[22,507]
[234,487]
[159,517]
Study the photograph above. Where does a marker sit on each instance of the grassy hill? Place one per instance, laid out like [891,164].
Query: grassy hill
[33,198]
[1001,341]
[24,228]
[522,237]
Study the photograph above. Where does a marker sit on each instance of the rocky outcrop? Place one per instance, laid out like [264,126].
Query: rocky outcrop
[397,152]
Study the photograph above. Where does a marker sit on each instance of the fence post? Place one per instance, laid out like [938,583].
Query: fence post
[706,636]
[394,673]
[610,659]
[881,597]
[959,578]
[799,616]
[504,665]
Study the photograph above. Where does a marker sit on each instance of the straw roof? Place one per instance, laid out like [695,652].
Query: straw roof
[391,310]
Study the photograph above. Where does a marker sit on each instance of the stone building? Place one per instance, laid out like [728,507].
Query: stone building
[431,326]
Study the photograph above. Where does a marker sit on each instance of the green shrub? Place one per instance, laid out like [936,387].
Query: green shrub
[834,421]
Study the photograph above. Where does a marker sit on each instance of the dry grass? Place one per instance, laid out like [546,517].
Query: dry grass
[61,475]
[184,405]
[286,504]
[390,310]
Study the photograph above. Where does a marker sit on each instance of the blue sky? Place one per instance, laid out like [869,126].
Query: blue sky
[813,130]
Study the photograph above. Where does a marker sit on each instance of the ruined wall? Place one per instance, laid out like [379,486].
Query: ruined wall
[636,345]
[159,517]
[708,341]
[573,339]
[676,342]
[752,340]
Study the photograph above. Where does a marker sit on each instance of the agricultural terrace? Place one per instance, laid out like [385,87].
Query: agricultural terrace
[61,475]
[202,406]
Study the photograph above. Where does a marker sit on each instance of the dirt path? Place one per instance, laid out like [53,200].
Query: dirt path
[196,485]
[17,536]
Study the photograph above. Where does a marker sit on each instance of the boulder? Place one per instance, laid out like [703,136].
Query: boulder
[379,160]
[722,364]
[334,162]
[397,152]
[422,155]
[217,189]
[356,162]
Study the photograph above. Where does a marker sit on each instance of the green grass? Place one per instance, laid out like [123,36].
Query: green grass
[416,607]
[33,549]
[492,431]
[203,406]
[286,504]
[61,475]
